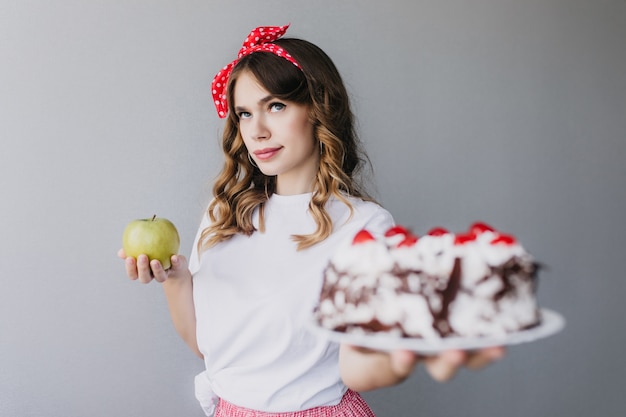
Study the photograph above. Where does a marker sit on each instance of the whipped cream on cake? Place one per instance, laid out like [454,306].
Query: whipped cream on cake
[481,282]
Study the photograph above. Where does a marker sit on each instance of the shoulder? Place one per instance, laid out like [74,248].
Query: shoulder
[369,208]
[366,215]
[377,218]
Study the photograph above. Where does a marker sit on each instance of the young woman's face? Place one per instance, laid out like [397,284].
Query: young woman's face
[278,136]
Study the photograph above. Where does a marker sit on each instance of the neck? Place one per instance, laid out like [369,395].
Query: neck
[285,187]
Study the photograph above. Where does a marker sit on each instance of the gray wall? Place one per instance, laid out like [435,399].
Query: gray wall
[506,111]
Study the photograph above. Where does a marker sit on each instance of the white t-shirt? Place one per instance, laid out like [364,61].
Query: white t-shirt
[253,296]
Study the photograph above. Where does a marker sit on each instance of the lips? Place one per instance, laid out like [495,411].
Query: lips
[266,153]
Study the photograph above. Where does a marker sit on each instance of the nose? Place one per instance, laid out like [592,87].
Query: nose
[259,129]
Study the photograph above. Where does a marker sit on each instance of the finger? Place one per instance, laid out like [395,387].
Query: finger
[160,275]
[131,268]
[179,262]
[143,269]
[480,359]
[121,253]
[444,366]
[402,362]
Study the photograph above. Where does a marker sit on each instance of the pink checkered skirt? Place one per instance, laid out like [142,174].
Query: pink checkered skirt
[351,405]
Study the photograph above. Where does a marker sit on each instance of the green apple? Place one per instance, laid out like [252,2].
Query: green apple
[156,237]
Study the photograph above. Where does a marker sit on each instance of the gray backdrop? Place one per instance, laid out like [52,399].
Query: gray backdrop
[507,111]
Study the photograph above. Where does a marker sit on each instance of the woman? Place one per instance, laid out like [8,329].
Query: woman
[286,197]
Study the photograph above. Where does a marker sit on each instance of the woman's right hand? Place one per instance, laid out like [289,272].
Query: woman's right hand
[145,271]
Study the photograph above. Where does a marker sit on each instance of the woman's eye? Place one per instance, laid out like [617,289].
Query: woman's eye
[244,115]
[274,107]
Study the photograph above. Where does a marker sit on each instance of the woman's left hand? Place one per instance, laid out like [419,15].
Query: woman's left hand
[444,366]
[364,369]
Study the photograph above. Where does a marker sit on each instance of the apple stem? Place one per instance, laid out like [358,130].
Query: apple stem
[153,217]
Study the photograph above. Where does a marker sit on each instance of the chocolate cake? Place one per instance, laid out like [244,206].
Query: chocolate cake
[478,283]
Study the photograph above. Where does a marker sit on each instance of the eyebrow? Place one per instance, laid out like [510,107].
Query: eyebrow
[261,101]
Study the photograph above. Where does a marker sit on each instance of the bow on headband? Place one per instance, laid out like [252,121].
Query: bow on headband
[260,39]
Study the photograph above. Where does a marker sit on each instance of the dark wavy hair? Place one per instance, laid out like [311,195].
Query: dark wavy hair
[241,187]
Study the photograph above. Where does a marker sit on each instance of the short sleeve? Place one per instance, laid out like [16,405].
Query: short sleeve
[194,258]
[380,222]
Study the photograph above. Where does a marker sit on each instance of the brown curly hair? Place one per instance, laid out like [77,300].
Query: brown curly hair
[241,187]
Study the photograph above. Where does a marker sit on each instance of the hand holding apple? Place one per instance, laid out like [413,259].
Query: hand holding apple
[157,238]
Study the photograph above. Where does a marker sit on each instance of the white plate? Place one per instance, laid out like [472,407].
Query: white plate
[551,323]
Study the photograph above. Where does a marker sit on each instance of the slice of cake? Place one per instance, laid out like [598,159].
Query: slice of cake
[478,283]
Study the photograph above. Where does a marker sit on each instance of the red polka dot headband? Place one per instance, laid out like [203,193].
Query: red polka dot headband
[260,39]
